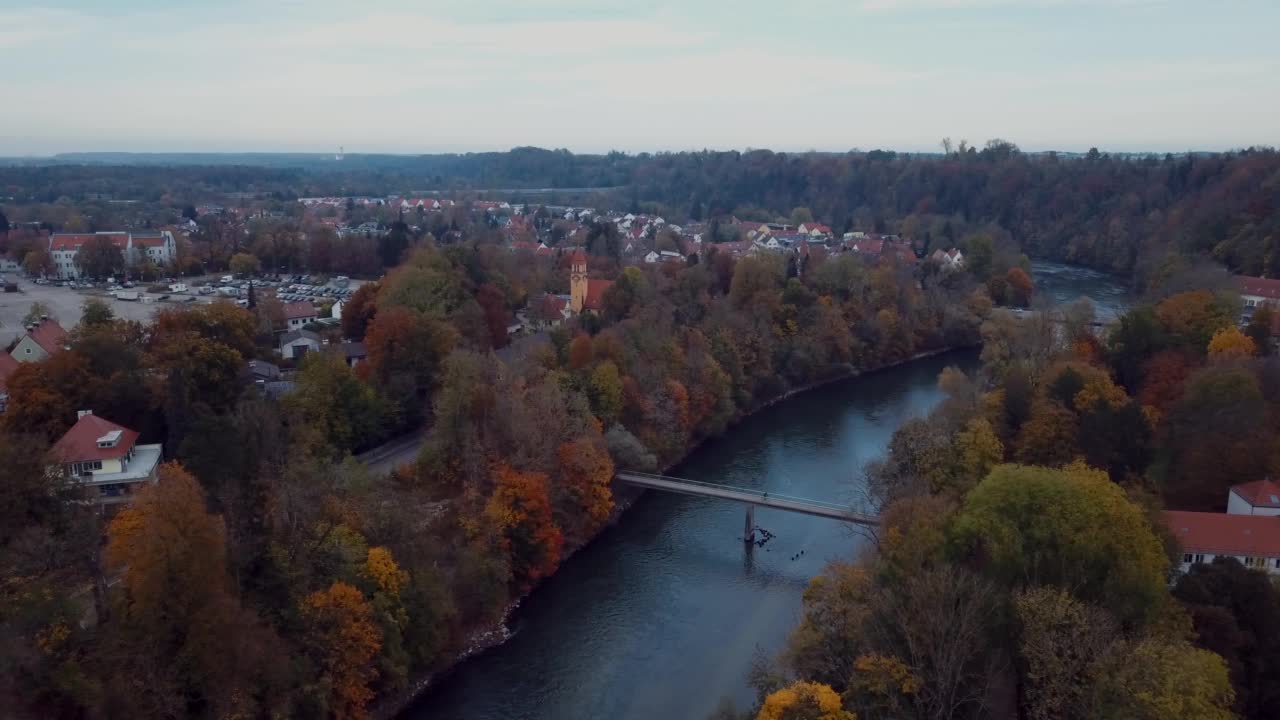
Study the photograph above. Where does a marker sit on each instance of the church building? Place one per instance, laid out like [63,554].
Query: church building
[586,294]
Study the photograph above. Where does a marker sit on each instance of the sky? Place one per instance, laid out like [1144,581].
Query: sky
[635,75]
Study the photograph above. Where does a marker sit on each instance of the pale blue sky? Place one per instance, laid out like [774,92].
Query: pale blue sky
[593,75]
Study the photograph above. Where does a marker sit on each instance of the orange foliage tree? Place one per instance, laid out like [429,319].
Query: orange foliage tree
[520,509]
[343,639]
[580,351]
[1018,287]
[403,342]
[1191,318]
[1230,344]
[1163,377]
[585,473]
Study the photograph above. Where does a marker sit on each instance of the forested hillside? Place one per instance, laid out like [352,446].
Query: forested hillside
[1119,213]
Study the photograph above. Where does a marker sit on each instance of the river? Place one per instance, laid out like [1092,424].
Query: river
[661,615]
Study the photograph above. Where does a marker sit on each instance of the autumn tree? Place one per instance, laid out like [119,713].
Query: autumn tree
[244,264]
[1018,288]
[176,618]
[343,641]
[1235,612]
[332,409]
[804,701]
[1156,678]
[1215,434]
[1059,641]
[520,510]
[96,312]
[406,345]
[44,396]
[1260,327]
[100,257]
[586,472]
[1071,528]
[1231,344]
[1192,318]
[358,311]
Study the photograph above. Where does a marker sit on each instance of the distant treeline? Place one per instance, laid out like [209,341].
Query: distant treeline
[1123,213]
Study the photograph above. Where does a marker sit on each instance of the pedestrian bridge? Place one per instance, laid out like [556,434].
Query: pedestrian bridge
[751,498]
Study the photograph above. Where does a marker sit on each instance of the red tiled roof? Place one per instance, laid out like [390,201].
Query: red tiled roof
[73,241]
[81,441]
[299,310]
[1222,534]
[544,251]
[1259,493]
[579,256]
[1262,287]
[595,294]
[7,366]
[49,335]
[550,308]
[149,241]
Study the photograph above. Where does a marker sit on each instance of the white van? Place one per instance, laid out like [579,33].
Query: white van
[177,288]
[227,279]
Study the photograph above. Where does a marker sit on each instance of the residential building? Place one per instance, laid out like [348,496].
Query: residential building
[296,343]
[107,458]
[1257,291]
[951,259]
[354,353]
[1260,497]
[1254,540]
[136,247]
[41,340]
[586,294]
[549,311]
[298,315]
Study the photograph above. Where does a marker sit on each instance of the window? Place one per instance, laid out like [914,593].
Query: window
[1199,557]
[1248,562]
[1186,557]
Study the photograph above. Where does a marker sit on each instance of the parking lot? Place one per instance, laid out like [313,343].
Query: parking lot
[67,304]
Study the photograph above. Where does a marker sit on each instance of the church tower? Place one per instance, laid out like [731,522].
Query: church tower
[577,281]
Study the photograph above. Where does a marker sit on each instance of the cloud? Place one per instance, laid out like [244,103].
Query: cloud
[36,26]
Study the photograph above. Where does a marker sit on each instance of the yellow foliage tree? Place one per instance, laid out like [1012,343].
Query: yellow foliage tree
[381,568]
[344,641]
[804,701]
[1230,343]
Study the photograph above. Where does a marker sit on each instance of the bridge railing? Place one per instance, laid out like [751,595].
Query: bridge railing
[762,494]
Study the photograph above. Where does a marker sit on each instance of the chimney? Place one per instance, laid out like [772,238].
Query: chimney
[82,413]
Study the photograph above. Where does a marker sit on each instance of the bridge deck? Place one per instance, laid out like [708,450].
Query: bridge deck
[751,497]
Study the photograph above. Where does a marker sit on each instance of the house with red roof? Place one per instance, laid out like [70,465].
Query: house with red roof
[1257,291]
[42,339]
[814,229]
[158,247]
[1260,497]
[1254,540]
[298,315]
[1249,530]
[106,458]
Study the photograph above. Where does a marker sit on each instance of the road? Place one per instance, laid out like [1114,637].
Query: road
[388,456]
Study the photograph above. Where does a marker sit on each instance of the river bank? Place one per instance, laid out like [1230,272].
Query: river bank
[492,636]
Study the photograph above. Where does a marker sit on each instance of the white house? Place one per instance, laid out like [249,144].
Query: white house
[297,343]
[1257,291]
[651,257]
[298,315]
[1254,540]
[1261,497]
[951,259]
[107,458]
[136,247]
[41,340]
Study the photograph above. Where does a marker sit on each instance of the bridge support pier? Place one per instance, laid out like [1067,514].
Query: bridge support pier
[749,533]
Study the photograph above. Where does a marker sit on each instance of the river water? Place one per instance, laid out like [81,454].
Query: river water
[661,615]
